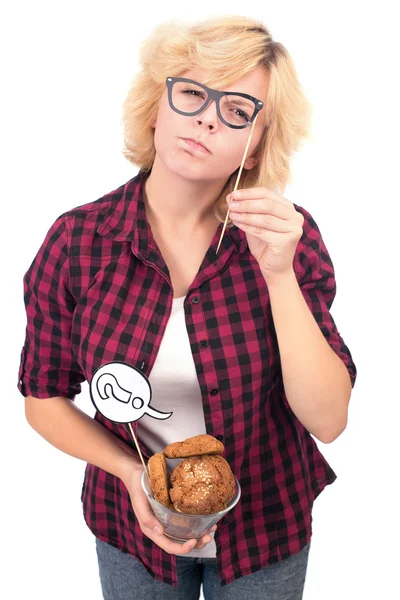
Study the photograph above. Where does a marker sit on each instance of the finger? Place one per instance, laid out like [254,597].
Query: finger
[203,541]
[182,548]
[145,515]
[269,237]
[173,547]
[206,538]
[260,192]
[265,222]
[262,206]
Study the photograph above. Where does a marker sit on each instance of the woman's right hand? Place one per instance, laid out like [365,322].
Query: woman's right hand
[148,521]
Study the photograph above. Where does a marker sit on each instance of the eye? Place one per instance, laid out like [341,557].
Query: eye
[194,92]
[242,114]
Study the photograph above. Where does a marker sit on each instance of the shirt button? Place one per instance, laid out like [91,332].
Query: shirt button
[214,391]
[219,437]
[195,300]
[203,343]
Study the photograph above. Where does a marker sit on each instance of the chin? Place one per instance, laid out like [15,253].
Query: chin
[186,167]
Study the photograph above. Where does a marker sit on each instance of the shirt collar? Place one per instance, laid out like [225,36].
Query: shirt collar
[126,219]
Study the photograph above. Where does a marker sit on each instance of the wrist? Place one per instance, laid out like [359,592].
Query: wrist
[128,465]
[277,279]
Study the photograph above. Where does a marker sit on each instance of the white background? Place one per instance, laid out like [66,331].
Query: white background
[66,67]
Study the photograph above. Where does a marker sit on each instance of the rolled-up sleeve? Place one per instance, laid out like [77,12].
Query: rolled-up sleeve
[316,277]
[47,365]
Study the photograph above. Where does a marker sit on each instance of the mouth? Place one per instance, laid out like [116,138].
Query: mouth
[196,145]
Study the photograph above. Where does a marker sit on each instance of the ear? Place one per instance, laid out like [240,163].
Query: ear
[154,123]
[254,159]
[249,163]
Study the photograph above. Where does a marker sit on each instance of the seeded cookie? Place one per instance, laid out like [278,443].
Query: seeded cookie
[159,478]
[194,446]
[202,485]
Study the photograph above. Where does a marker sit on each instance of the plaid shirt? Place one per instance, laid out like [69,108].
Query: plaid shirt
[99,290]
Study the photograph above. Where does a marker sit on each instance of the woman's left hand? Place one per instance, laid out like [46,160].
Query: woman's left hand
[272,225]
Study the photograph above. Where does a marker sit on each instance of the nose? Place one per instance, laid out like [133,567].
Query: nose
[209,115]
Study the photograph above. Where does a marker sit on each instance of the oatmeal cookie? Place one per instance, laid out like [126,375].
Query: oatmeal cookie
[194,446]
[202,485]
[159,478]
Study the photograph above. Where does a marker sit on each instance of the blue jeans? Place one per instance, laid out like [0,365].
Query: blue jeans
[123,577]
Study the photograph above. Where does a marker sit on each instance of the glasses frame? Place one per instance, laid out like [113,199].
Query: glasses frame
[215,95]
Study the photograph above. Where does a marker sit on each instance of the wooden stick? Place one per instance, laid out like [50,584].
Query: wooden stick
[237,181]
[140,454]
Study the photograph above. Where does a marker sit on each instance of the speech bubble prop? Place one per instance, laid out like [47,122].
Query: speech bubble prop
[122,393]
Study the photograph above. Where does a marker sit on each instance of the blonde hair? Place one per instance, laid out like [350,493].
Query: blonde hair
[228,47]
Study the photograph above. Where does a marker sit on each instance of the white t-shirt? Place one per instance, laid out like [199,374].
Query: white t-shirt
[175,388]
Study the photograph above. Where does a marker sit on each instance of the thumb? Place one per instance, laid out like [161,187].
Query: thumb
[144,513]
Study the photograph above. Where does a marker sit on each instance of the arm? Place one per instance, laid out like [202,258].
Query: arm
[59,421]
[49,375]
[316,381]
[317,367]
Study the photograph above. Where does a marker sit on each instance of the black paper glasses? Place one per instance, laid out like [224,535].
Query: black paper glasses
[235,109]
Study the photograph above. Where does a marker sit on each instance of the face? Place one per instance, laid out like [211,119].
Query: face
[226,145]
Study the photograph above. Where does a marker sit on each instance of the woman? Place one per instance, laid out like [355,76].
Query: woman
[237,343]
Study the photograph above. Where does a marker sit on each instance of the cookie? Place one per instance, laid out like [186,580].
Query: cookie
[202,485]
[159,478]
[194,446]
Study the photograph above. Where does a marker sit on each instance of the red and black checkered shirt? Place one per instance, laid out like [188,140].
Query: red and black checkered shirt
[98,291]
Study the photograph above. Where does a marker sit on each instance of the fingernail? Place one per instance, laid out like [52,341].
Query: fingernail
[157,529]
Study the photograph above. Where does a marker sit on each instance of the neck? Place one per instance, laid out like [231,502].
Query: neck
[177,203]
